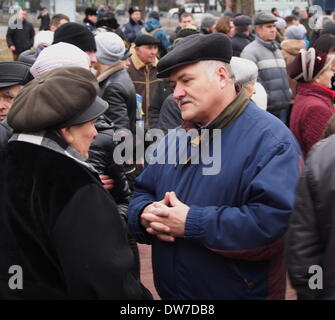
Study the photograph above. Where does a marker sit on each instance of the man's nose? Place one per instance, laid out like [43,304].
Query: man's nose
[178,92]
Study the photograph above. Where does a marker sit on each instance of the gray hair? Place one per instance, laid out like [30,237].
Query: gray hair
[245,70]
[212,65]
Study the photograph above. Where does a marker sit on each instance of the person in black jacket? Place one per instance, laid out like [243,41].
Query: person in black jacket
[311,235]
[45,19]
[242,36]
[109,23]
[20,35]
[60,225]
[116,86]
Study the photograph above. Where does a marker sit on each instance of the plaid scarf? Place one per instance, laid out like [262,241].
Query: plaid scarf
[52,141]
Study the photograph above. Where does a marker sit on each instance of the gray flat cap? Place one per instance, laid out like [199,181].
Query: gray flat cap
[264,17]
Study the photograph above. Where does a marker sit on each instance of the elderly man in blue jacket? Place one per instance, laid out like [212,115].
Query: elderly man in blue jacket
[216,229]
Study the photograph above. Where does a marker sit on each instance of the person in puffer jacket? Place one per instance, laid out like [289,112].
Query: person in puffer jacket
[154,28]
[272,74]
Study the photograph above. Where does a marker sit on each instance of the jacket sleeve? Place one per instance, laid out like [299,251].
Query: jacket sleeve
[32,35]
[158,98]
[92,248]
[9,37]
[304,243]
[144,194]
[253,231]
[117,110]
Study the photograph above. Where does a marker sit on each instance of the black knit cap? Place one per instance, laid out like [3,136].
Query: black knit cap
[91,11]
[146,40]
[14,73]
[195,48]
[76,34]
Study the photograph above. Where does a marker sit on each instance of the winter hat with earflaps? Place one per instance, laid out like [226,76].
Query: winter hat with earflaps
[309,64]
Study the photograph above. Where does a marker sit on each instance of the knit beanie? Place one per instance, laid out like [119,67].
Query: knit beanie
[59,55]
[110,48]
[77,35]
[309,64]
[280,23]
[294,32]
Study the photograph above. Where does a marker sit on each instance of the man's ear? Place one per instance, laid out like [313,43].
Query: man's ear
[222,73]
[66,133]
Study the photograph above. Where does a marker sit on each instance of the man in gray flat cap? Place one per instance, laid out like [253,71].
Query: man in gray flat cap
[265,52]
[216,227]
[243,34]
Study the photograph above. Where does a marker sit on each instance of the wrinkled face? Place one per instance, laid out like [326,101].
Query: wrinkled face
[267,31]
[7,96]
[185,22]
[324,79]
[198,98]
[80,137]
[147,53]
[136,16]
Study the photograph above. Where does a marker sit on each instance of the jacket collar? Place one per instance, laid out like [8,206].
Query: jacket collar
[135,23]
[271,45]
[109,71]
[138,64]
[52,141]
[328,91]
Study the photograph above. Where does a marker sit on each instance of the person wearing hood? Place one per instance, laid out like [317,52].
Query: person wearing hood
[313,104]
[133,28]
[154,28]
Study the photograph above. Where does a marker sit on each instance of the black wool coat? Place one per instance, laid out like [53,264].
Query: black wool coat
[60,225]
